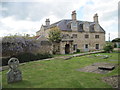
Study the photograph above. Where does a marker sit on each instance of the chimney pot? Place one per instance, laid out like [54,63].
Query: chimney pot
[96,18]
[47,22]
[74,15]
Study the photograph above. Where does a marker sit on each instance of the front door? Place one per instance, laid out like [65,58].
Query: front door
[97,46]
[67,49]
[86,47]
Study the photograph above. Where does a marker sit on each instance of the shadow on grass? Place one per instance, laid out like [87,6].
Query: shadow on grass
[19,84]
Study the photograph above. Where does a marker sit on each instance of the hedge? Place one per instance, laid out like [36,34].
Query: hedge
[26,57]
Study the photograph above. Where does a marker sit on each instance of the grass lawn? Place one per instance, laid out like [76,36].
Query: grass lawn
[61,73]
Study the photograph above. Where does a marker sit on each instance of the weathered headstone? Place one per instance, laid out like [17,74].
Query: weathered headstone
[14,74]
[106,67]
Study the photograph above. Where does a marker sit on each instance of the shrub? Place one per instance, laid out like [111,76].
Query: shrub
[13,45]
[26,57]
[78,50]
[5,60]
[43,56]
[118,47]
[115,46]
[108,48]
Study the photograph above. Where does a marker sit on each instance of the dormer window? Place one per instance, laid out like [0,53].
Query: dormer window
[69,26]
[81,26]
[74,26]
[86,26]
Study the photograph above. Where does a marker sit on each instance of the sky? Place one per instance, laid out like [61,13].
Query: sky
[27,16]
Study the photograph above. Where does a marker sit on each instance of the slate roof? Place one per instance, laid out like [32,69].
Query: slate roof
[65,25]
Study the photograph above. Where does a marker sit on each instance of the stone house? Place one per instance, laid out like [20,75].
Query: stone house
[76,34]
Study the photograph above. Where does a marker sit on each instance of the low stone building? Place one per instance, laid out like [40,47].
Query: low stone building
[45,45]
[76,34]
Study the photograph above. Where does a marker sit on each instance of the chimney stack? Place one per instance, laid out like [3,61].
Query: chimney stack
[95,18]
[47,22]
[73,15]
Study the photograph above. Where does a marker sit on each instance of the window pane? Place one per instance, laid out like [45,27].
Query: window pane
[86,36]
[75,47]
[97,46]
[86,45]
[96,36]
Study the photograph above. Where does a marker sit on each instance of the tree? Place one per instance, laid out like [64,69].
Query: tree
[108,48]
[55,35]
[116,40]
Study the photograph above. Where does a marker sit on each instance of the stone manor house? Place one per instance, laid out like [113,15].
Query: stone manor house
[76,34]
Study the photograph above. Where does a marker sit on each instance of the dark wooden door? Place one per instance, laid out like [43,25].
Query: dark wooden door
[67,49]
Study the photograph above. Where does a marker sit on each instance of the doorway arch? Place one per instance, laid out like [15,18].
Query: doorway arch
[67,49]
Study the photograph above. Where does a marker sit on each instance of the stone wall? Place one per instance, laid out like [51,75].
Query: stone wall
[56,48]
[45,45]
[45,49]
[80,40]
[62,46]
[91,41]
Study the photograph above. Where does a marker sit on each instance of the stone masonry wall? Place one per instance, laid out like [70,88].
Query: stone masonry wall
[81,40]
[91,41]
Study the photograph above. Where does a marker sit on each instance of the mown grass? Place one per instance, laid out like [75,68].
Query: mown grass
[61,73]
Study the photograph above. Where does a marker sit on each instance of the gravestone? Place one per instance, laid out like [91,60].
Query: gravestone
[105,57]
[102,56]
[106,67]
[14,74]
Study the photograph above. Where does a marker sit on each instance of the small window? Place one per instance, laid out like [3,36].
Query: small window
[65,36]
[74,35]
[86,45]
[97,46]
[86,36]
[96,36]
[75,47]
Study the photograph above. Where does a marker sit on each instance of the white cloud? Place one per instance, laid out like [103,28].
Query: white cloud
[13,26]
[108,15]
[32,16]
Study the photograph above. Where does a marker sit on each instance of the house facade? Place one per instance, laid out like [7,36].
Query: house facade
[76,34]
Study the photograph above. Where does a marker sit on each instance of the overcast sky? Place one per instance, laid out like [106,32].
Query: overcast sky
[27,16]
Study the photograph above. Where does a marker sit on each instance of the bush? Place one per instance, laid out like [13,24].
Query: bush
[78,50]
[5,60]
[14,45]
[108,48]
[115,46]
[26,57]
[43,56]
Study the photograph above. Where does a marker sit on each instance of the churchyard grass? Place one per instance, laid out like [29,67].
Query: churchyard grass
[61,73]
